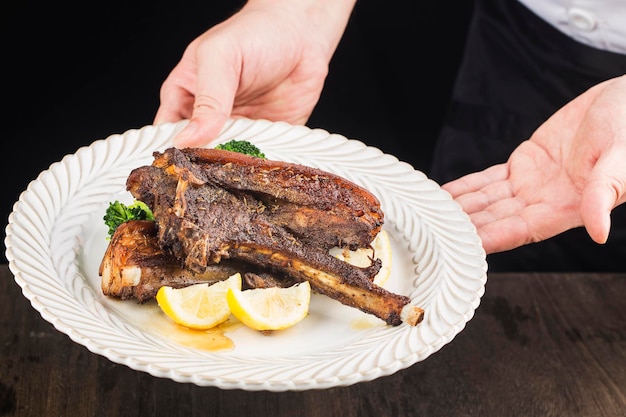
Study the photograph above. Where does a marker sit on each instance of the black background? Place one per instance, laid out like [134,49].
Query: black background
[73,75]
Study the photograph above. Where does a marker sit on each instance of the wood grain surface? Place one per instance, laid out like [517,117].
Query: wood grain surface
[539,345]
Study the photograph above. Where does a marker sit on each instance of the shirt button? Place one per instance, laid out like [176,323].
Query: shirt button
[581,19]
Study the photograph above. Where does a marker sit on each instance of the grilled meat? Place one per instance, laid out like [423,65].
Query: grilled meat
[212,206]
[135,267]
[267,280]
[318,207]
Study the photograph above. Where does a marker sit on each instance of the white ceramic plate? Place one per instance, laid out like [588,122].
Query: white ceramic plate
[56,237]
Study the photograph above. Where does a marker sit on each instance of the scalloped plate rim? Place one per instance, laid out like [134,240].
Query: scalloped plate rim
[29,281]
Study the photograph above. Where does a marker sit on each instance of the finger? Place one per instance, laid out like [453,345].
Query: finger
[216,86]
[486,197]
[531,224]
[207,121]
[176,104]
[509,207]
[597,201]
[604,190]
[477,180]
[503,235]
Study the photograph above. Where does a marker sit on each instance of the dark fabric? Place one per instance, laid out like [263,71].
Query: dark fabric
[518,70]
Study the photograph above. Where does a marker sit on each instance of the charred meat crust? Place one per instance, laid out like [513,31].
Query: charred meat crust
[314,205]
[135,267]
[213,206]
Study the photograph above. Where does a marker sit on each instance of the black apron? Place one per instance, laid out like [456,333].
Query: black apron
[518,70]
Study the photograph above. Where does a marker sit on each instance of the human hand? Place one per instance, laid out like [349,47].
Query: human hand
[267,61]
[570,173]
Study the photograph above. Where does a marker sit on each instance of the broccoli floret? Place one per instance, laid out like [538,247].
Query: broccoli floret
[241,146]
[118,213]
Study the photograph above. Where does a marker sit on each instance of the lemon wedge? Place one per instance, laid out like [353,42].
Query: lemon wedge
[272,308]
[362,257]
[198,306]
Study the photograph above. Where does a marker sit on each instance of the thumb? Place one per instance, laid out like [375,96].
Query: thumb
[598,199]
[216,86]
[603,191]
[207,120]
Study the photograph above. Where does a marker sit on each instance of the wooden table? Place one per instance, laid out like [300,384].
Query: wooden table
[539,345]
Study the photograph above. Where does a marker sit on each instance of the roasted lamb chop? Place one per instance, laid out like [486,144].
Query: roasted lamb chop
[214,207]
[135,267]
